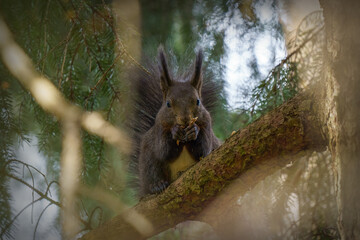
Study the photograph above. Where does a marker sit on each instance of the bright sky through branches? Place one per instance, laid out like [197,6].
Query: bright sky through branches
[243,46]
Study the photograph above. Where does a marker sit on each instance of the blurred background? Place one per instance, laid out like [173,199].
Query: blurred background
[88,49]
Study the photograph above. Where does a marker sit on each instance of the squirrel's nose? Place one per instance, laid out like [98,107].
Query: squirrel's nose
[183,120]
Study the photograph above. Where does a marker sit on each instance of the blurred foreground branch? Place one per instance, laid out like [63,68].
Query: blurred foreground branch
[50,98]
[249,155]
[72,119]
[71,162]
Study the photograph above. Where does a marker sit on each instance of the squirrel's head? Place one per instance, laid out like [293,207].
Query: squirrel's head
[181,99]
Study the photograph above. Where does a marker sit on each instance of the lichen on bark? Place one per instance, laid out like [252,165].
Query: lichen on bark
[289,129]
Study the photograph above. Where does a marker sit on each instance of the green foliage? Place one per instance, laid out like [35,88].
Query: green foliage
[280,85]
[7,130]
[73,44]
[11,130]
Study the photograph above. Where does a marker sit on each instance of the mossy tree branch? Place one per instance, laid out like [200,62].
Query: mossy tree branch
[291,128]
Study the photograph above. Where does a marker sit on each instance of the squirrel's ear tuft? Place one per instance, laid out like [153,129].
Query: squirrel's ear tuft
[165,80]
[196,79]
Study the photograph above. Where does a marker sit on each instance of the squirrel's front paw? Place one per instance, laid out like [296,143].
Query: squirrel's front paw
[191,132]
[158,186]
[178,133]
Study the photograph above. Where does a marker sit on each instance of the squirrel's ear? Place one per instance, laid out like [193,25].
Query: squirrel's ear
[196,80]
[165,80]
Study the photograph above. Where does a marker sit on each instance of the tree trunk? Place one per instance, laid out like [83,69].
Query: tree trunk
[289,129]
[342,80]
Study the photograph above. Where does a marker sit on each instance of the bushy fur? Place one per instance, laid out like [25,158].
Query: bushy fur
[150,133]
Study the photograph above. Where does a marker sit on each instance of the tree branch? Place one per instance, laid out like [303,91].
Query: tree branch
[50,98]
[289,129]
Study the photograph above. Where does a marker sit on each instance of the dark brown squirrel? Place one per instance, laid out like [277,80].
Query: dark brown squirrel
[181,133]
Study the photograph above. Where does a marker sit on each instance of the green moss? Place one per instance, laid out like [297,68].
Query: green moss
[275,135]
[305,105]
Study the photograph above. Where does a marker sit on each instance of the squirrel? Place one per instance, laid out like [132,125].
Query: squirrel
[180,134]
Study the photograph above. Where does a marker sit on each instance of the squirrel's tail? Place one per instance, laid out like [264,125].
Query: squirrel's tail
[147,100]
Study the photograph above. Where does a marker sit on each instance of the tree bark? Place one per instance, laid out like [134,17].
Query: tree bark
[342,81]
[291,128]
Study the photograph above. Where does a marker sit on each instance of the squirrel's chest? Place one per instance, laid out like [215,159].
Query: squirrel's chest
[181,163]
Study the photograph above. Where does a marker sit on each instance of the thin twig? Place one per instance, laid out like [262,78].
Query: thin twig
[301,22]
[37,223]
[50,51]
[32,193]
[285,60]
[119,42]
[103,77]
[28,165]
[69,36]
[49,185]
[44,21]
[16,216]
[92,214]
[42,195]
[93,55]
[298,48]
[70,71]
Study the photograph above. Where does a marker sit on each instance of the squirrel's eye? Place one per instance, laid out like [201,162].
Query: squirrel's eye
[198,102]
[168,104]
